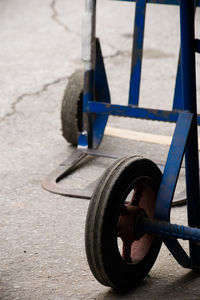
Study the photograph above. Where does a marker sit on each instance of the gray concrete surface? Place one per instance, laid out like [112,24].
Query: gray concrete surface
[42,252]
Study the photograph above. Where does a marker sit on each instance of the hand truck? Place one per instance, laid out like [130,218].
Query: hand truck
[133,199]
[129,214]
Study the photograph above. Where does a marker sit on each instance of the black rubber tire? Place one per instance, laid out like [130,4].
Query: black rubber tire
[103,256]
[71,111]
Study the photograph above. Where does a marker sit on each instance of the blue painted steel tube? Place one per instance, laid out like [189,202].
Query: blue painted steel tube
[172,167]
[167,2]
[177,102]
[189,103]
[168,183]
[132,111]
[137,51]
[165,229]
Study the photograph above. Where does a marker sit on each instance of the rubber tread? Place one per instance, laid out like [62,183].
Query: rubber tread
[71,108]
[95,219]
[91,215]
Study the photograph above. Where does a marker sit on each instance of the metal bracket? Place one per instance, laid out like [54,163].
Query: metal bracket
[51,182]
[66,168]
[168,183]
[173,166]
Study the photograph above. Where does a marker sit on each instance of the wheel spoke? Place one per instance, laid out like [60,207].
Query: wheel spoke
[137,194]
[126,251]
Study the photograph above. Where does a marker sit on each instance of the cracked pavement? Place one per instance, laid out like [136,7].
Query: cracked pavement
[42,253]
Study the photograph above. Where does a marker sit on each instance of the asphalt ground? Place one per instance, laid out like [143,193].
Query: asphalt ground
[42,253]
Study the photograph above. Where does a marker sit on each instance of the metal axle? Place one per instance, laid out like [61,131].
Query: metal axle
[165,229]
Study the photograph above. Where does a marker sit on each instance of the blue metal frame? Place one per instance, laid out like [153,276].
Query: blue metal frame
[168,184]
[97,108]
[166,2]
[136,65]
[132,111]
[173,165]
[177,101]
[185,140]
[189,103]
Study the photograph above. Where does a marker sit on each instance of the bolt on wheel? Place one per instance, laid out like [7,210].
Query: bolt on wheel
[119,255]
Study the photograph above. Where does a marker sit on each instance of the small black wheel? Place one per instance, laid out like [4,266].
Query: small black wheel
[116,259]
[72,106]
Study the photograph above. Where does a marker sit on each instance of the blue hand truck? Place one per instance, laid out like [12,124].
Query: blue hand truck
[129,213]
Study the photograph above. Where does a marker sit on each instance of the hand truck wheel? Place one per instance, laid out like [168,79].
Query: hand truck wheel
[71,111]
[117,257]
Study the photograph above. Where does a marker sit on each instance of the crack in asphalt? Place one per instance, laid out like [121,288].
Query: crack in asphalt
[23,96]
[117,53]
[55,17]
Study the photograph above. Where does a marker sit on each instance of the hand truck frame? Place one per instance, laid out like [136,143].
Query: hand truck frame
[111,216]
[153,215]
[94,105]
